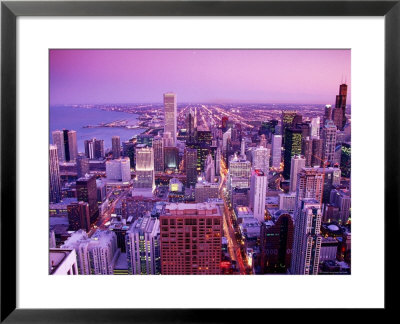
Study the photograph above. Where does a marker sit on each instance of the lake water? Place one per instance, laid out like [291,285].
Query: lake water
[76,118]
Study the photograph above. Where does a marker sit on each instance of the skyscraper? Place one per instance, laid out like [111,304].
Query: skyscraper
[307,239]
[82,166]
[225,138]
[276,151]
[191,166]
[243,148]
[143,246]
[67,147]
[309,185]
[97,255]
[339,113]
[94,149]
[86,190]
[190,126]
[239,173]
[260,157]
[209,168]
[315,126]
[170,107]
[258,190]
[306,149]
[316,158]
[145,169]
[328,113]
[297,164]
[293,138]
[116,147]
[287,120]
[276,241]
[118,170]
[128,150]
[218,162]
[191,239]
[329,142]
[72,145]
[54,175]
[158,148]
[78,216]
[171,157]
[58,141]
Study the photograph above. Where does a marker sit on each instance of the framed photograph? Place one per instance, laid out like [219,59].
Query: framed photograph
[162,159]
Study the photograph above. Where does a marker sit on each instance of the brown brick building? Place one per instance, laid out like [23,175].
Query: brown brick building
[191,239]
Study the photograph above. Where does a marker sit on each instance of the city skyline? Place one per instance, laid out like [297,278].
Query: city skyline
[201,76]
[206,189]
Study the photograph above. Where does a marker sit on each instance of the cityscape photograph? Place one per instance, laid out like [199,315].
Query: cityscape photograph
[199,162]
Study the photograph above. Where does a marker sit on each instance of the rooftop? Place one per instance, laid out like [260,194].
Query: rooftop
[209,209]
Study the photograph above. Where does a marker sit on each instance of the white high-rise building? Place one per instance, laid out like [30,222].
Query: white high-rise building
[143,246]
[118,170]
[276,151]
[218,162]
[209,168]
[239,173]
[54,175]
[144,171]
[307,239]
[258,191]
[243,148]
[287,201]
[225,137]
[297,164]
[170,107]
[315,126]
[96,255]
[260,157]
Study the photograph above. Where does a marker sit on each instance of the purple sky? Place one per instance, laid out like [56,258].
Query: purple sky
[142,76]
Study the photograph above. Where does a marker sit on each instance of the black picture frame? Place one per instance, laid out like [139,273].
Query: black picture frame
[10,10]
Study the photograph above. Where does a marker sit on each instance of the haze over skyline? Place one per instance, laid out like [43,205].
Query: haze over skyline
[203,76]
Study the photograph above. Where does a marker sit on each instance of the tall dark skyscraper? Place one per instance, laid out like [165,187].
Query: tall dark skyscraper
[190,126]
[306,149]
[203,135]
[86,190]
[94,149]
[191,166]
[276,241]
[339,113]
[287,120]
[82,166]
[116,147]
[78,216]
[128,150]
[292,147]
[317,145]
